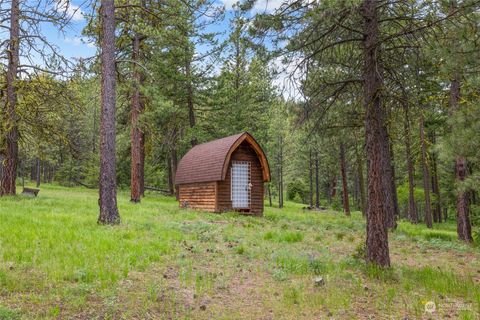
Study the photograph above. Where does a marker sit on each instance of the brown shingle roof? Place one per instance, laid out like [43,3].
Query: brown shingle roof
[206,162]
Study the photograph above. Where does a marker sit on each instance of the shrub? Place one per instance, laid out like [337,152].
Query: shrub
[283,236]
[297,191]
[340,235]
[475,215]
[240,250]
[476,236]
[439,234]
[360,252]
[316,266]
[8,314]
[337,203]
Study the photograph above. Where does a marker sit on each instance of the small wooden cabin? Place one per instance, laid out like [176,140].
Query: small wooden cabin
[223,175]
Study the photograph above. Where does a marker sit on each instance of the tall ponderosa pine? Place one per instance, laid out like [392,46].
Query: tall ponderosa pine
[375,139]
[464,229]
[25,37]
[10,118]
[108,184]
[137,136]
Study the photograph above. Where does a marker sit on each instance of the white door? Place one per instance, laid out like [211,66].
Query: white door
[240,184]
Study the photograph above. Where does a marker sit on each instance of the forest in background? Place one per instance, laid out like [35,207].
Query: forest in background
[376,107]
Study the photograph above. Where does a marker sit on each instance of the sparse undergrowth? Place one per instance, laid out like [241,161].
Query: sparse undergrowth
[162,262]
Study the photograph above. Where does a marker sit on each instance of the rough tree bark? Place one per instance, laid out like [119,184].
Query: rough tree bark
[191,109]
[317,184]
[361,181]
[37,177]
[437,210]
[310,176]
[375,137]
[394,211]
[412,208]
[464,228]
[333,188]
[426,174]
[173,165]
[280,172]
[108,185]
[136,132]
[171,189]
[343,169]
[10,151]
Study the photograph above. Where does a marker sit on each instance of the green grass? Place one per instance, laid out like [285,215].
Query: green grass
[445,231]
[163,262]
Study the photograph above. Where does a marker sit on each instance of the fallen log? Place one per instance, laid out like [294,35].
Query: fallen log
[166,192]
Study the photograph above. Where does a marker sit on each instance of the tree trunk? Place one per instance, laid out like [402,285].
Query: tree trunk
[435,185]
[361,181]
[108,185]
[174,160]
[280,173]
[136,133]
[171,189]
[426,175]
[464,228]
[310,177]
[375,137]
[394,212]
[356,198]
[412,209]
[333,188]
[37,171]
[191,110]
[343,169]
[317,184]
[10,152]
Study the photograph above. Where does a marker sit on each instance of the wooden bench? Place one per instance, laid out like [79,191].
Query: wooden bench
[30,191]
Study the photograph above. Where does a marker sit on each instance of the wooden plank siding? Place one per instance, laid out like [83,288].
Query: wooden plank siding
[200,196]
[244,152]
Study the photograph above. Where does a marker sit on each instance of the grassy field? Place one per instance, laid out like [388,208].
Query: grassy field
[166,263]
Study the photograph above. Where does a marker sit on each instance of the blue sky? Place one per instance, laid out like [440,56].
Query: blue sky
[70,41]
[73,45]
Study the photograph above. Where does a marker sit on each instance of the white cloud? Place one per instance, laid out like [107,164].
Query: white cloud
[260,5]
[289,75]
[71,10]
[267,5]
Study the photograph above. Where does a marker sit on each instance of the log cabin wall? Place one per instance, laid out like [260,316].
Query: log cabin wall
[200,196]
[244,152]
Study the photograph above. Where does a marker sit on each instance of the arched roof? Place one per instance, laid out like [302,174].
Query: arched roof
[209,161]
